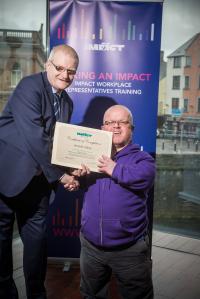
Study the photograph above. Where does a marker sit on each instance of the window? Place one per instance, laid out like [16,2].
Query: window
[185,105]
[178,153]
[177,62]
[175,103]
[16,74]
[188,61]
[198,105]
[187,82]
[22,45]
[176,82]
[21,51]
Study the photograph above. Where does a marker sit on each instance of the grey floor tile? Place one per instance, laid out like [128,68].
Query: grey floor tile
[177,243]
[157,236]
[160,297]
[170,288]
[184,263]
[196,250]
[192,272]
[176,274]
[162,242]
[18,273]
[193,246]
[191,291]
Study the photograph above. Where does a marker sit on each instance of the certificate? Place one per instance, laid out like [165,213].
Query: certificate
[75,145]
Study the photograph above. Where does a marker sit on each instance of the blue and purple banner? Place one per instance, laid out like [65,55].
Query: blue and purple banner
[118,43]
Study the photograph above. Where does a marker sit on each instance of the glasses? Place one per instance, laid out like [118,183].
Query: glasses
[62,69]
[111,123]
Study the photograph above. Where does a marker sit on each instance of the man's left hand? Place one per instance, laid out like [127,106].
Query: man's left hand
[106,165]
[83,171]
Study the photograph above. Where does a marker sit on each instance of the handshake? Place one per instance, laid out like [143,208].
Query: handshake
[71,181]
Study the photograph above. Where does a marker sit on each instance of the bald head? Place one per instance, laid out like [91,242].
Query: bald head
[118,119]
[119,108]
[66,50]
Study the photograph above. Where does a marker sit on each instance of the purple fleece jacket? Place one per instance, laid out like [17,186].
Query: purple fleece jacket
[115,208]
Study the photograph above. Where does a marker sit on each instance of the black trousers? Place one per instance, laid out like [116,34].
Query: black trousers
[131,267]
[30,208]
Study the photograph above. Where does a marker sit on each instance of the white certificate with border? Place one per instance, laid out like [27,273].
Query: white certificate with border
[75,145]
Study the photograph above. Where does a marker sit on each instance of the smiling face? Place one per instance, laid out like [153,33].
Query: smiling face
[61,67]
[118,120]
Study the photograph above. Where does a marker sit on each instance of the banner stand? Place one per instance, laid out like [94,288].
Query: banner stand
[119,48]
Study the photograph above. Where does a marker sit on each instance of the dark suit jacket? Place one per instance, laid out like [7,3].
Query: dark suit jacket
[26,130]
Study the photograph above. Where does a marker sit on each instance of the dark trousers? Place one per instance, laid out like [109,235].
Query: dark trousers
[131,267]
[30,208]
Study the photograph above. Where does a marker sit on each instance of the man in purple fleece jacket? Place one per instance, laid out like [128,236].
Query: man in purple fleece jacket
[114,236]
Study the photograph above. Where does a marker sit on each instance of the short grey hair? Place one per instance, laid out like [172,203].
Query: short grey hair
[65,48]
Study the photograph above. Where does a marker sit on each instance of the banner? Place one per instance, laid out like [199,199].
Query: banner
[118,43]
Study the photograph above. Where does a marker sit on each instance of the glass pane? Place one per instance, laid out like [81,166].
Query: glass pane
[177,62]
[176,82]
[186,101]
[22,42]
[188,61]
[177,187]
[16,76]
[187,81]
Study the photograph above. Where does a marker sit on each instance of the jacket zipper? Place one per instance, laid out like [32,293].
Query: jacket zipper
[101,214]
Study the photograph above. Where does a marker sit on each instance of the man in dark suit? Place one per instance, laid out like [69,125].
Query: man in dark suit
[26,173]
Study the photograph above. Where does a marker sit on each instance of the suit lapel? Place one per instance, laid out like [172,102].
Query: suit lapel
[49,92]
[65,104]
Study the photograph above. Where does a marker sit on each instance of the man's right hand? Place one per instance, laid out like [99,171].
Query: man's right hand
[69,182]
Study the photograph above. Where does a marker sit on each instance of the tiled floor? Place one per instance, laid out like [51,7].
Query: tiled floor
[176,271]
[176,266]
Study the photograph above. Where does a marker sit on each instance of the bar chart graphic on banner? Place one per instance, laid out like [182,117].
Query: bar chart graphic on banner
[66,219]
[64,224]
[129,32]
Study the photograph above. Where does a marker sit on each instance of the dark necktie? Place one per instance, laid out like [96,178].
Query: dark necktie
[56,105]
